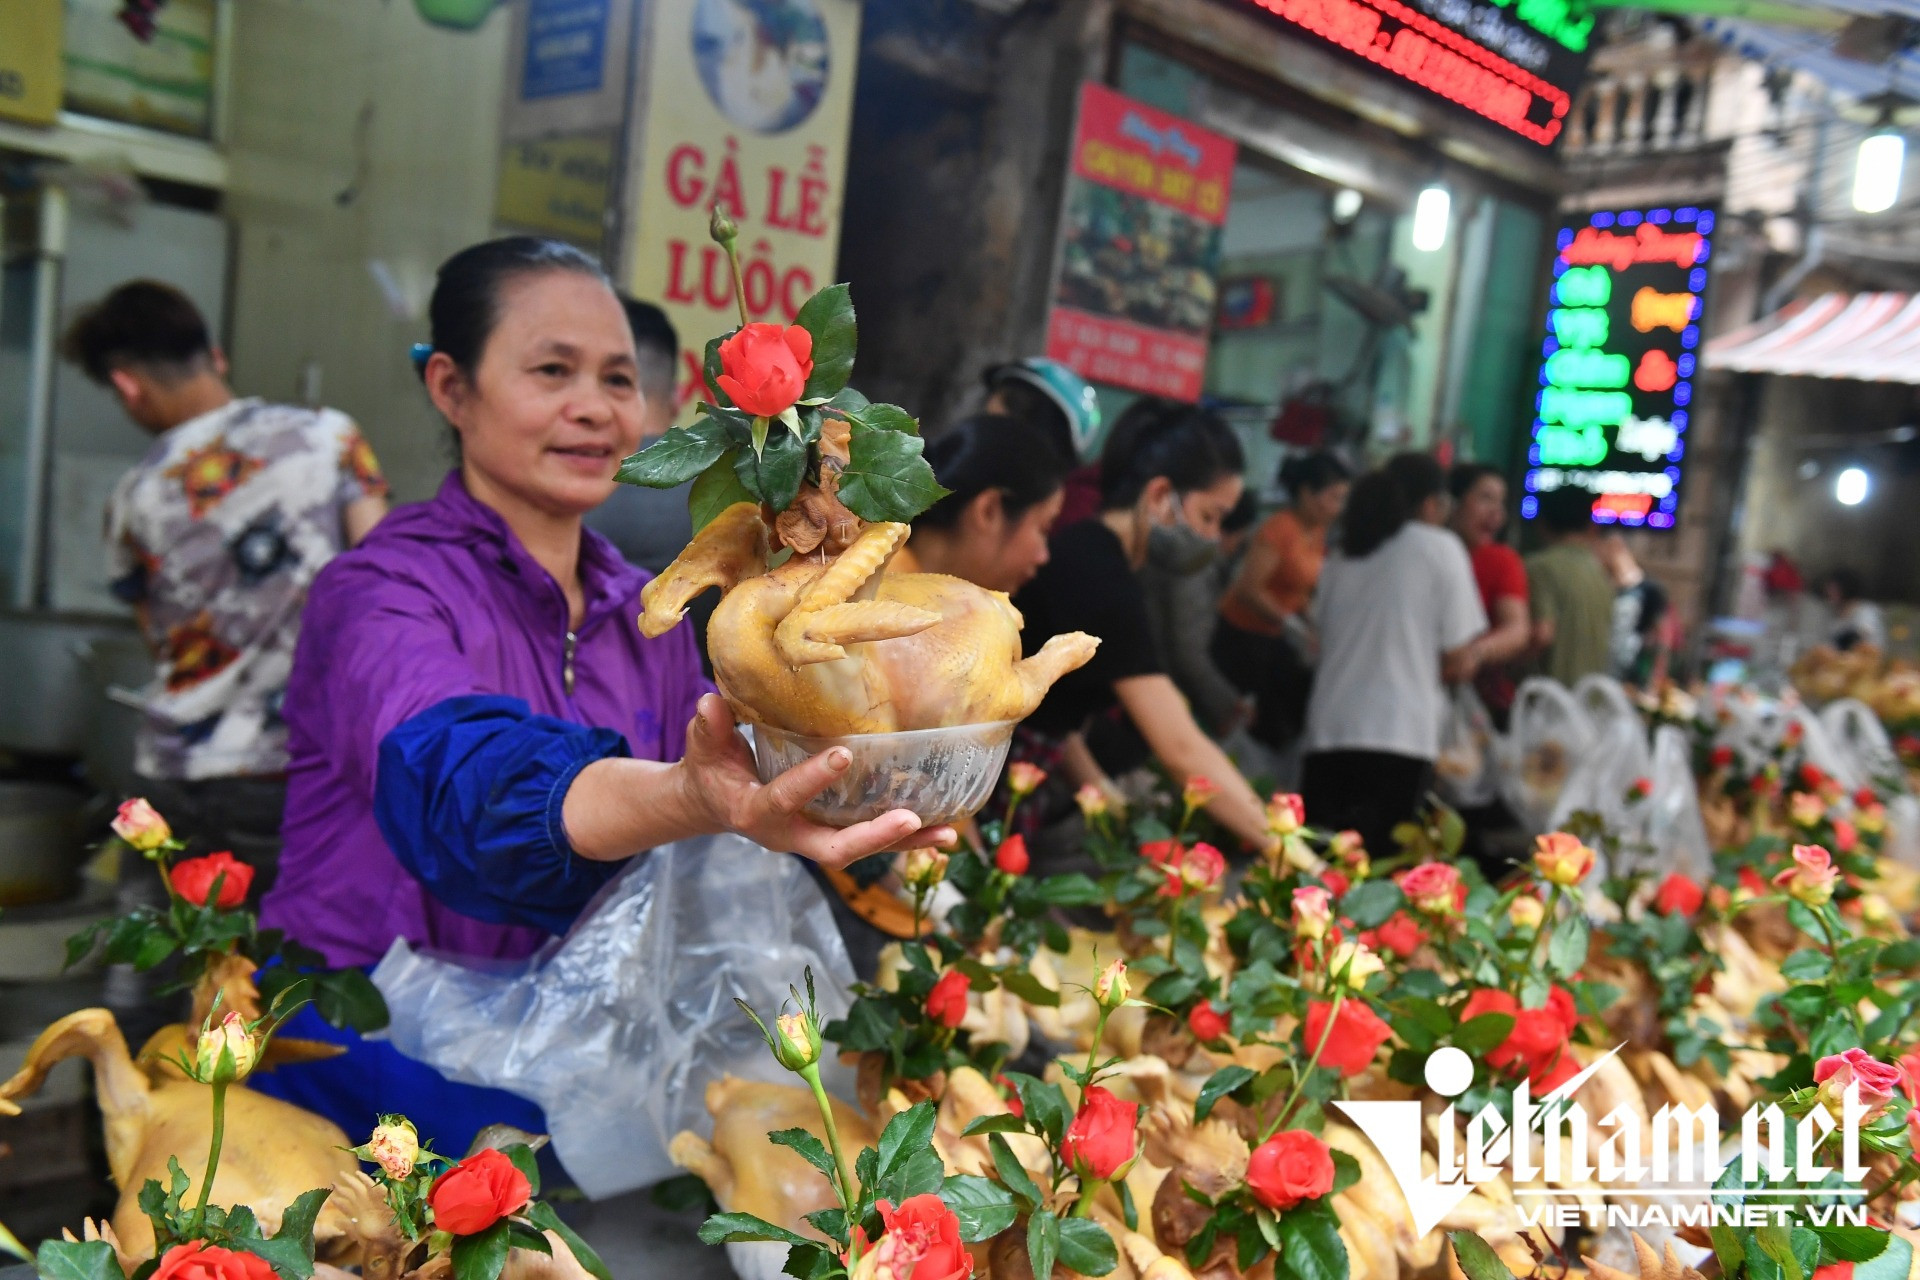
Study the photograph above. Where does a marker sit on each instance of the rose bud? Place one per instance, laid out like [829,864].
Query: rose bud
[1641,789]
[1110,989]
[1430,887]
[1845,838]
[721,227]
[1025,777]
[225,1052]
[1526,912]
[1092,801]
[1102,1141]
[1354,963]
[1011,857]
[1207,1023]
[394,1146]
[141,826]
[1806,810]
[1312,912]
[1561,859]
[194,879]
[478,1192]
[796,1041]
[1811,877]
[1198,791]
[947,1002]
[1401,934]
[924,868]
[1337,884]
[1875,1080]
[1203,867]
[1291,1167]
[1678,896]
[764,368]
[1349,850]
[1287,814]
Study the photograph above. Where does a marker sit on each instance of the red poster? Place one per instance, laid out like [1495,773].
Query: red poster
[1135,298]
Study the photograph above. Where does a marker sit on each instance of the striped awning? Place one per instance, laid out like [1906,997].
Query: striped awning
[1868,337]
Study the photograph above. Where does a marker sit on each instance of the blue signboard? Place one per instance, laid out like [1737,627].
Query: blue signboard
[566,48]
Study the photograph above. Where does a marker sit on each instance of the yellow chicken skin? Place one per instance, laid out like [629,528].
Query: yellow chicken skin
[828,647]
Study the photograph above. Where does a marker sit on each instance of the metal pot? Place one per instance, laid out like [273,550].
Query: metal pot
[41,848]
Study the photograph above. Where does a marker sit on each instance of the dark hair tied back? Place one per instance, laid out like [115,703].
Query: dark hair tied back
[1315,472]
[1383,501]
[990,451]
[1192,447]
[466,292]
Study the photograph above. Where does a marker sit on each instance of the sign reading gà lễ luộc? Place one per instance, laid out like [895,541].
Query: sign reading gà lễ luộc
[1617,365]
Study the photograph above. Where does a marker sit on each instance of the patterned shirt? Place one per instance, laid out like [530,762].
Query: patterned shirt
[214,538]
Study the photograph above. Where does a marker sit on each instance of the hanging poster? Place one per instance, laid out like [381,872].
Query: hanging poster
[1617,367]
[30,60]
[163,83]
[747,108]
[1134,297]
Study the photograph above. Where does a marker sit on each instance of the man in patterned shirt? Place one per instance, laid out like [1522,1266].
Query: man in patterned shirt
[214,539]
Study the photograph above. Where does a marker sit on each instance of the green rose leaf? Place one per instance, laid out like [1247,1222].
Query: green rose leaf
[1477,1035]
[1029,988]
[710,367]
[483,1255]
[541,1214]
[1012,1172]
[807,1147]
[774,476]
[1219,1085]
[1346,1172]
[1371,903]
[1851,1244]
[77,1260]
[347,998]
[523,1159]
[1086,1248]
[679,455]
[1477,1258]
[716,489]
[1568,950]
[1043,1241]
[1310,1245]
[886,417]
[828,316]
[1008,1123]
[905,1134]
[886,478]
[985,1208]
[739,1228]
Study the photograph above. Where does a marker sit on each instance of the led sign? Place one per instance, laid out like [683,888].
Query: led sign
[1617,366]
[1514,62]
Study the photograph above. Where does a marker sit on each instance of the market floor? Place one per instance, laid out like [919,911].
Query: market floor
[638,1240]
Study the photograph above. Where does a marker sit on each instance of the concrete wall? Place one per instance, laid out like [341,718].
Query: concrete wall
[360,135]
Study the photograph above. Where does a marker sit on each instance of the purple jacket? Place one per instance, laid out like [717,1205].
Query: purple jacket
[441,601]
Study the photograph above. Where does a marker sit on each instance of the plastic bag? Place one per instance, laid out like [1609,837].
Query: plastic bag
[1668,821]
[1857,734]
[1467,774]
[617,1029]
[1548,735]
[1616,758]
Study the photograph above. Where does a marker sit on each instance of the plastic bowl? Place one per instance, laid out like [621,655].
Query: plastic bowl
[941,775]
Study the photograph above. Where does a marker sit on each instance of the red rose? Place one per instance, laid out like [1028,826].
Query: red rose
[765,367]
[478,1192]
[1834,1271]
[1678,896]
[1545,1077]
[1750,881]
[1845,835]
[1864,798]
[1401,935]
[1722,757]
[1011,857]
[1357,1035]
[1101,1141]
[947,1002]
[921,1241]
[1430,887]
[1336,883]
[193,880]
[1161,853]
[1288,1168]
[1537,1043]
[1206,1022]
[1560,1002]
[1812,777]
[1012,1095]
[198,1260]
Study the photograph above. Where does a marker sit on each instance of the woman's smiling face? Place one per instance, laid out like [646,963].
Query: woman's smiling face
[554,403]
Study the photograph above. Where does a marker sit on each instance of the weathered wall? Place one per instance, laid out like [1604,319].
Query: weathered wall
[361,136]
[958,158]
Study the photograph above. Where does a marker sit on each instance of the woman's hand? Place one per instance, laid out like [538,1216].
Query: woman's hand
[721,787]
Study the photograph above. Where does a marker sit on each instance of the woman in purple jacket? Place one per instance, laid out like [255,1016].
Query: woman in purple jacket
[479,733]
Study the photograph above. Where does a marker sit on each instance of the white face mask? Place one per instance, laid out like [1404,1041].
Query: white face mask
[1178,548]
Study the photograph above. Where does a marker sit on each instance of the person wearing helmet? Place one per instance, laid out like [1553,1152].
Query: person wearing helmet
[1063,409]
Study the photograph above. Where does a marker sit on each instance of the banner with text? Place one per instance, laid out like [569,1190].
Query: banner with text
[1134,298]
[747,107]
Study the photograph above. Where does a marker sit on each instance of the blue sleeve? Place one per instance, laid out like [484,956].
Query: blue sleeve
[468,794]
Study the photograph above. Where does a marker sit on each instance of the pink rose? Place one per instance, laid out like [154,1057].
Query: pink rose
[1430,887]
[1811,877]
[1875,1080]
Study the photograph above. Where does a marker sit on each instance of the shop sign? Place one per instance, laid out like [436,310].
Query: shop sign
[566,47]
[30,60]
[1616,371]
[1134,293]
[557,186]
[163,83]
[1514,62]
[747,109]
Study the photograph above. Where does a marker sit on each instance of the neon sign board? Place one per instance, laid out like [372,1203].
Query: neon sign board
[1617,367]
[1514,62]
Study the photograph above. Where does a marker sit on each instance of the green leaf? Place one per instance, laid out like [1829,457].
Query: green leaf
[710,366]
[483,1255]
[1851,1244]
[1777,1244]
[1045,1105]
[886,478]
[1806,965]
[347,998]
[909,1132]
[849,401]
[1477,1035]
[81,944]
[807,1147]
[774,475]
[1310,1245]
[919,1174]
[1568,950]
[522,1236]
[1219,1085]
[716,489]
[1012,1173]
[1029,988]
[1085,1247]
[523,1160]
[682,1194]
[1043,1241]
[737,1228]
[678,456]
[1893,1263]
[1371,903]
[1074,890]
[1477,1258]
[541,1214]
[887,417]
[77,1260]
[1008,1123]
[1129,1214]
[812,1262]
[1346,1172]
[984,1208]
[828,316]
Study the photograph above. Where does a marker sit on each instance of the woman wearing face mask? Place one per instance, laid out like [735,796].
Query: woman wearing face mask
[1168,476]
[1263,643]
[1399,616]
[479,735]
